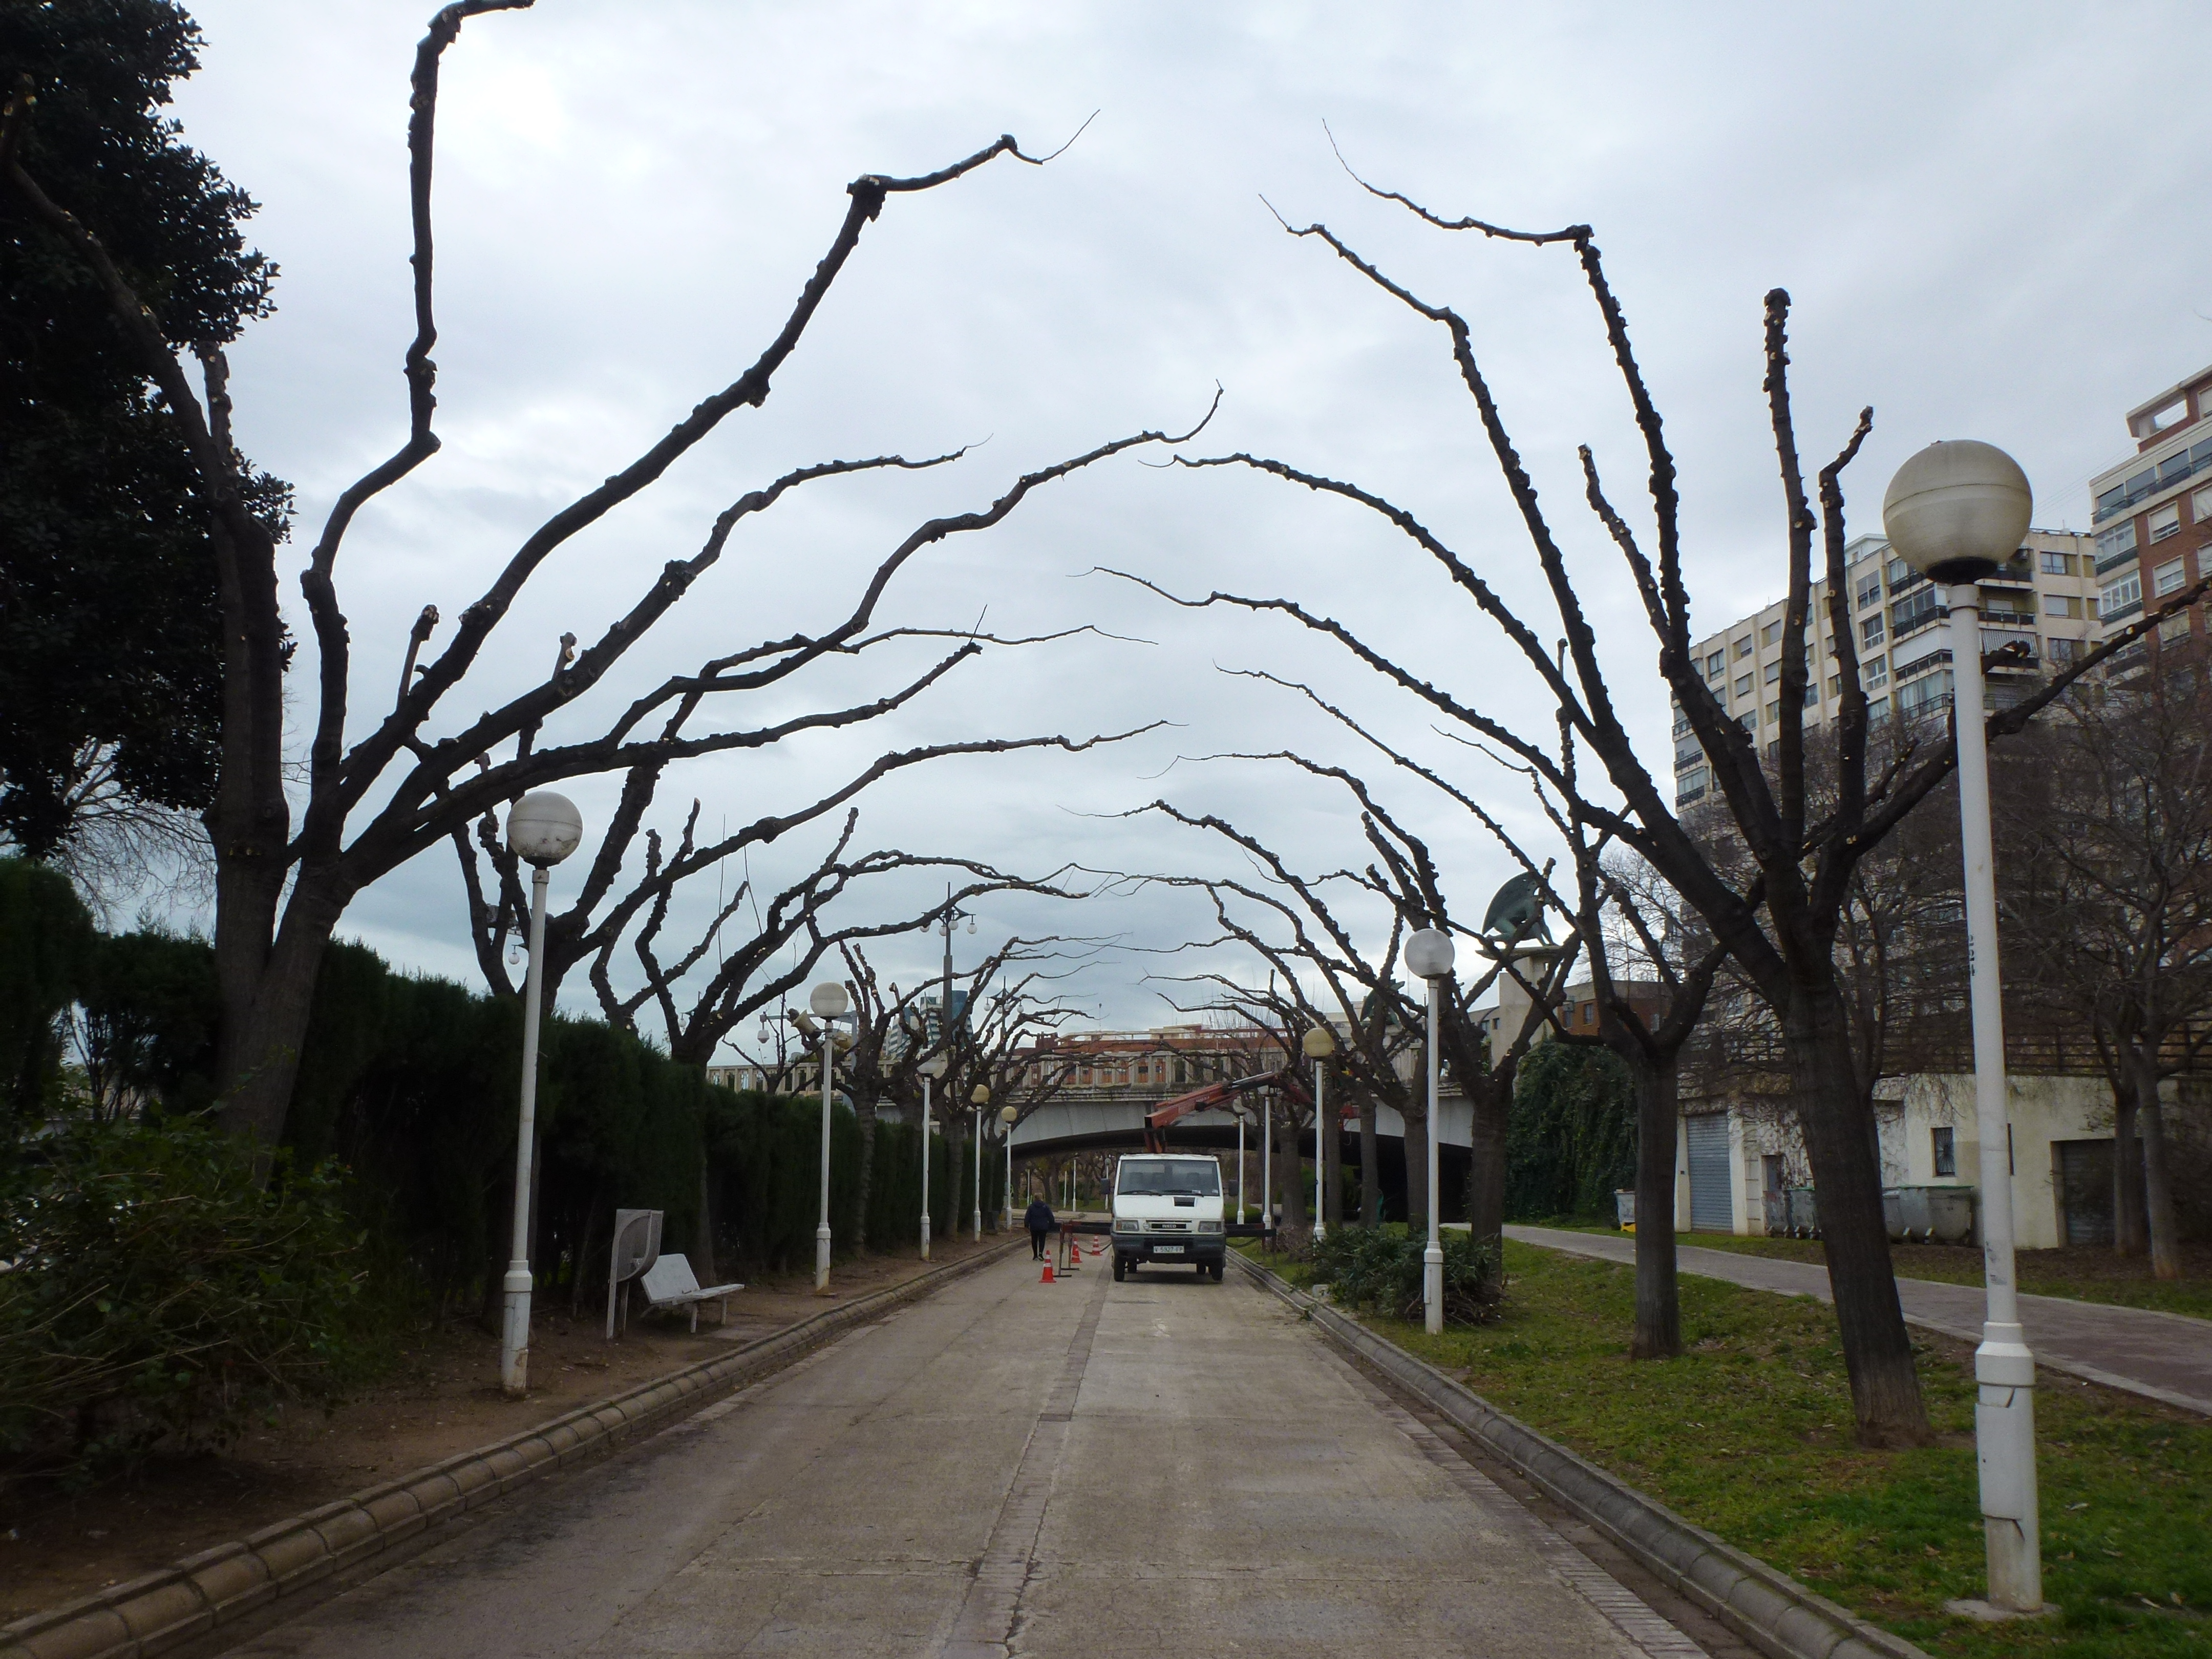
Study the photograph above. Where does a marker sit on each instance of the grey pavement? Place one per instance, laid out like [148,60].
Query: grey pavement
[1164,1466]
[2162,1356]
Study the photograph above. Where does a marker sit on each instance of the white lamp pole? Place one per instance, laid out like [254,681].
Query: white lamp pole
[1319,1043]
[931,1068]
[1955,512]
[1428,954]
[1240,1167]
[543,828]
[979,1100]
[828,1000]
[1009,1116]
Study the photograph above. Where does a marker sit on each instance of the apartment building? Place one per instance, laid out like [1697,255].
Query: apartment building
[2040,610]
[2152,515]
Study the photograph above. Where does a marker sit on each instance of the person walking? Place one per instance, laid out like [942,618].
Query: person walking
[1039,1220]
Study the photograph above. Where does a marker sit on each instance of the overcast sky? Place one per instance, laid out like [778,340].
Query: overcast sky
[1992,222]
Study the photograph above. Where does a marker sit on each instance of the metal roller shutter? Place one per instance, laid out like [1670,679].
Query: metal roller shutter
[1707,1138]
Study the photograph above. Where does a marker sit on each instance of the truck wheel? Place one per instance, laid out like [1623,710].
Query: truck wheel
[1121,1266]
[1217,1270]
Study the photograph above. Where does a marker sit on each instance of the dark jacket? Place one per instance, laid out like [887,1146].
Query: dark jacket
[1038,1217]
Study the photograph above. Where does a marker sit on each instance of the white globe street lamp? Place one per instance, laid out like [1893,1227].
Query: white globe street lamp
[1009,1116]
[828,1001]
[930,1070]
[1428,954]
[1955,512]
[1319,1043]
[542,828]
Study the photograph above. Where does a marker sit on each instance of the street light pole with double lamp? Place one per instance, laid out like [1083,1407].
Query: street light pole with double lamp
[829,999]
[931,1069]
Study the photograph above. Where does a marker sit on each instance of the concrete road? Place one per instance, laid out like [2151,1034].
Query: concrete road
[1165,1468]
[2161,1356]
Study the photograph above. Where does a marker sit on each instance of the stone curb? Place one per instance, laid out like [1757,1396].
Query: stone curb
[1770,1610]
[165,1609]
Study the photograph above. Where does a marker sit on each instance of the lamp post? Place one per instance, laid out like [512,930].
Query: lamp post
[543,828]
[1955,512]
[932,1069]
[979,1099]
[1009,1115]
[1240,1166]
[1428,954]
[1319,1043]
[828,1000]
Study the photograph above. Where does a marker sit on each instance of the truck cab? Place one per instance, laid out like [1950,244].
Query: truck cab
[1167,1210]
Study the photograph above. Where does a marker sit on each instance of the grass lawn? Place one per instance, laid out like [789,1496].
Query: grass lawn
[2084,1272]
[1748,1434]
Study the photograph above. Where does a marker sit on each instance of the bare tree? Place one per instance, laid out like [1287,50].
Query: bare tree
[1782,934]
[2110,814]
[282,884]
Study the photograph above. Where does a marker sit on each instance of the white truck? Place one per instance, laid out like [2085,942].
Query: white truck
[1167,1208]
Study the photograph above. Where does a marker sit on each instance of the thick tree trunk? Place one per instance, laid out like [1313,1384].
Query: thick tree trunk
[265,1013]
[2130,1236]
[865,1111]
[1371,1177]
[1491,1096]
[1416,1118]
[2157,1183]
[1847,1174]
[1289,1173]
[1658,1332]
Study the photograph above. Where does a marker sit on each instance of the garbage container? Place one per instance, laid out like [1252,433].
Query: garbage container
[1930,1215]
[1623,1208]
[1804,1215]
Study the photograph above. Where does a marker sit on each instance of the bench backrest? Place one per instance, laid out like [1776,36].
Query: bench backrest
[670,1276]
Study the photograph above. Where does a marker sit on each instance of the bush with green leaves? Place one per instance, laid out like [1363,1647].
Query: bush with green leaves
[1379,1267]
[154,1294]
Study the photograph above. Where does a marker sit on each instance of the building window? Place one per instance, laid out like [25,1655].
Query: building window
[1773,712]
[1773,672]
[1870,591]
[2167,579]
[1930,690]
[1878,711]
[2164,521]
[1749,720]
[1715,663]
[1743,685]
[2060,604]
[1877,672]
[1898,572]
[1743,646]
[2200,504]
[2116,597]
[2118,540]
[1947,1152]
[1771,632]
[1871,631]
[2063,652]
[1835,685]
[2172,628]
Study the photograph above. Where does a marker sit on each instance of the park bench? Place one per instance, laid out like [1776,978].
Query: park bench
[670,1282]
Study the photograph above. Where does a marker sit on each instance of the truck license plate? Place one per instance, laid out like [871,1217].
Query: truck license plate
[1167,1249]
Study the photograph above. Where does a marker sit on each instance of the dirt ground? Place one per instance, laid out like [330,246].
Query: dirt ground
[440,1398]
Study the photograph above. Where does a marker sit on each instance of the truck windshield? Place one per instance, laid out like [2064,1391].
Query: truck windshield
[1178,1176]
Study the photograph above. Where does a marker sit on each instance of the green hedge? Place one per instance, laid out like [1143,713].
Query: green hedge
[1570,1134]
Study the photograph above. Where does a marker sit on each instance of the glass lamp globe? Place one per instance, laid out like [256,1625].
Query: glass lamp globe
[1010,1116]
[829,999]
[543,827]
[1319,1042]
[1429,953]
[981,1096]
[1956,511]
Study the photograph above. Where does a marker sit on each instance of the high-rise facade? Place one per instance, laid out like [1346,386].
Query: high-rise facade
[2040,610]
[2153,512]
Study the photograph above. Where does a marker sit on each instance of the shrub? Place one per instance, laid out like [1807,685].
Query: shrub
[1379,1267]
[1570,1133]
[154,1295]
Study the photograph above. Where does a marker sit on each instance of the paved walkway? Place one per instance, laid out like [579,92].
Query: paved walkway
[2166,1357]
[1161,1466]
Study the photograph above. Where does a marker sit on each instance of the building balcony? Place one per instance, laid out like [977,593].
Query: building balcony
[2106,566]
[2132,608]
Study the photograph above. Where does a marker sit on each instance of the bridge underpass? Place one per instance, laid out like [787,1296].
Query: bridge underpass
[1105,1122]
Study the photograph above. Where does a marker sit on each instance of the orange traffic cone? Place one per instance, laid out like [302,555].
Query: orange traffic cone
[1047,1277]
